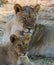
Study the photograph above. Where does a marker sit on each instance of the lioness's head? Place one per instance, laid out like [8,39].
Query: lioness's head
[26,16]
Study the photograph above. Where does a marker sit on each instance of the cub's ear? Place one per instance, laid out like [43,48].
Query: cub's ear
[37,8]
[17,8]
[13,39]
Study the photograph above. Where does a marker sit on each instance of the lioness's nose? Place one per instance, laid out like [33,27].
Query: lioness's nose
[29,25]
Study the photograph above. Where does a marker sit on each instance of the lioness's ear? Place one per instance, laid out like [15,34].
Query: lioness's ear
[13,38]
[37,8]
[17,8]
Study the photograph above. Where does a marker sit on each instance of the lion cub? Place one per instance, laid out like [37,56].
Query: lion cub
[11,52]
[21,49]
[25,21]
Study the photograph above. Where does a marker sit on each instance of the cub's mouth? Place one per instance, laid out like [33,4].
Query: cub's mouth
[22,52]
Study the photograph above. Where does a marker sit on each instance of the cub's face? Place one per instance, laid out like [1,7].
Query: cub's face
[19,45]
[26,16]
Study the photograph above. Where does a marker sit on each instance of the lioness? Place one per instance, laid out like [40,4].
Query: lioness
[24,24]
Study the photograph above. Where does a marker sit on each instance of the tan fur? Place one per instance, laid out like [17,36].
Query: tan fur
[42,41]
[8,55]
[21,49]
[24,24]
[19,44]
[19,33]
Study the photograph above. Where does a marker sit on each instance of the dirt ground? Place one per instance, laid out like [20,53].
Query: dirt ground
[46,17]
